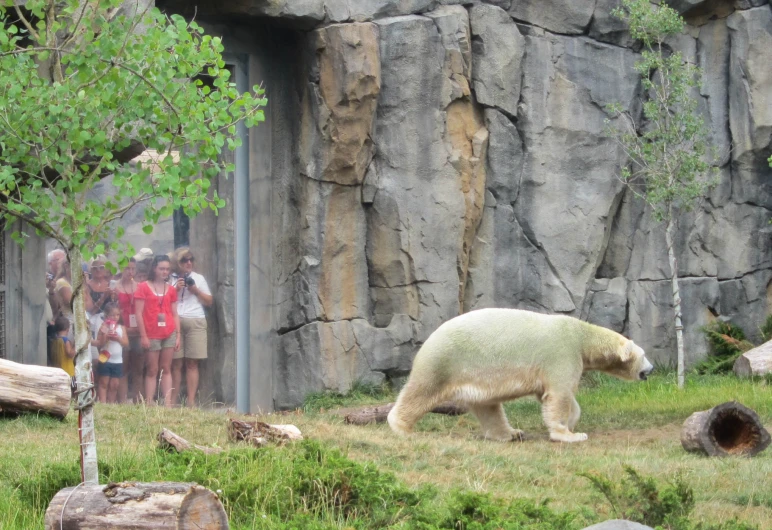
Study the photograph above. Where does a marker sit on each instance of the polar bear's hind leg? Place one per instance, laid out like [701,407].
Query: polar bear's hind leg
[412,404]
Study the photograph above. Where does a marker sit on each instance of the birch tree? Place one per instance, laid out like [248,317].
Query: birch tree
[668,148]
[85,87]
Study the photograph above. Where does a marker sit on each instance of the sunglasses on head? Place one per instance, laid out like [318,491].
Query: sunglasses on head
[100,267]
[186,260]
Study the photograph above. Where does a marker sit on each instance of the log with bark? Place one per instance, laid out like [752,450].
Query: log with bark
[171,441]
[726,429]
[378,413]
[260,434]
[755,362]
[138,506]
[32,388]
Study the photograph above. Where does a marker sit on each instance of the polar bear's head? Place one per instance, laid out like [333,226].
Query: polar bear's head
[632,363]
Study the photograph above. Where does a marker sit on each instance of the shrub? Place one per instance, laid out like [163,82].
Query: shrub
[640,499]
[727,342]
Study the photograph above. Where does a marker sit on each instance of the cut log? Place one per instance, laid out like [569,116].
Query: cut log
[260,434]
[378,413]
[32,388]
[136,505]
[726,429]
[169,440]
[755,362]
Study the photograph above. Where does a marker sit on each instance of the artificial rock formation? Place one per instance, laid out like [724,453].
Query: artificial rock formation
[430,157]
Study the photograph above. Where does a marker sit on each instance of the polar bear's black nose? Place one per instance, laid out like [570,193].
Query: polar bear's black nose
[645,373]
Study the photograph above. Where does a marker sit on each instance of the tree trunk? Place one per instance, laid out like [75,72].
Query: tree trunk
[726,429]
[84,391]
[136,506]
[378,413]
[679,329]
[755,362]
[31,388]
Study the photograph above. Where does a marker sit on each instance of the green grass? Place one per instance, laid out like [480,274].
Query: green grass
[442,477]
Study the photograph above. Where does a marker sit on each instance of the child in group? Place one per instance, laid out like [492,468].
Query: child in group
[110,340]
[62,348]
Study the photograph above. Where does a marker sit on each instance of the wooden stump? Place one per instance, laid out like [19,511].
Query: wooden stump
[32,388]
[726,429]
[379,413]
[136,506]
[755,362]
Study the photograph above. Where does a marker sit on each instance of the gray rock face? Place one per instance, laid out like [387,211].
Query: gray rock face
[301,369]
[605,27]
[750,104]
[498,53]
[608,304]
[650,317]
[558,16]
[428,176]
[452,155]
[567,200]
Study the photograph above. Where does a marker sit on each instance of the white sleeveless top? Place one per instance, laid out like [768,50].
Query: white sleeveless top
[115,348]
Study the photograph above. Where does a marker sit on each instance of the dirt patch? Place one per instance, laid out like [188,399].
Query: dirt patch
[670,432]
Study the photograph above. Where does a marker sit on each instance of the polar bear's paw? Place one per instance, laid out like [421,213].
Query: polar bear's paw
[517,435]
[569,437]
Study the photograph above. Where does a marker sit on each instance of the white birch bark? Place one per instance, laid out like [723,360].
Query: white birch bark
[84,391]
[679,329]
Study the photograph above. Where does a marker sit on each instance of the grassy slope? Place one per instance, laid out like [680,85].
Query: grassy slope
[633,424]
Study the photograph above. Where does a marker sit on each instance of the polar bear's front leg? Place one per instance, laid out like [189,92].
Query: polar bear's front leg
[559,413]
[494,423]
[573,417]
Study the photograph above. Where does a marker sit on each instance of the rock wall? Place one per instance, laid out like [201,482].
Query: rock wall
[431,157]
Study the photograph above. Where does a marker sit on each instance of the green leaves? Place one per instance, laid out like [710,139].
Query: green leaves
[116,89]
[668,150]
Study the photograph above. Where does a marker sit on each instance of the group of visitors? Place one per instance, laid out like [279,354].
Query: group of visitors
[147,323]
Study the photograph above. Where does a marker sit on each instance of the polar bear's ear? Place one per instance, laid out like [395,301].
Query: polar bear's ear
[628,350]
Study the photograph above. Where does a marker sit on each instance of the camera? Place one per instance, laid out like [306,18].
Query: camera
[189,281]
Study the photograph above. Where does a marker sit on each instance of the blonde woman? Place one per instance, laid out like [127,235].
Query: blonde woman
[193,295]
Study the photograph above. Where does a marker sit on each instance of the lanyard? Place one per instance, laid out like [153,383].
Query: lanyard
[161,301]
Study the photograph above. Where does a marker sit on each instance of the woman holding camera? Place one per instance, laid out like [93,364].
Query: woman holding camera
[155,304]
[194,295]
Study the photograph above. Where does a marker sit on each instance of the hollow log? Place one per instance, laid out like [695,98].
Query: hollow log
[726,429]
[32,388]
[169,440]
[136,506]
[260,434]
[755,362]
[378,413]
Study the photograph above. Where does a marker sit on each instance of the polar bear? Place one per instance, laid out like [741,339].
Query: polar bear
[486,357]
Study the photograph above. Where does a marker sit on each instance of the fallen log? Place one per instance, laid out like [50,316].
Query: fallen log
[378,413]
[726,429]
[755,362]
[136,506]
[169,440]
[32,388]
[260,434]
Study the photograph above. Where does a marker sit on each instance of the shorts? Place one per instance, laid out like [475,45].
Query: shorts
[193,334]
[135,344]
[110,370]
[168,342]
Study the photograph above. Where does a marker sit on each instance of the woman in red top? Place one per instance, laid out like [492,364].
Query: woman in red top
[133,362]
[156,302]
